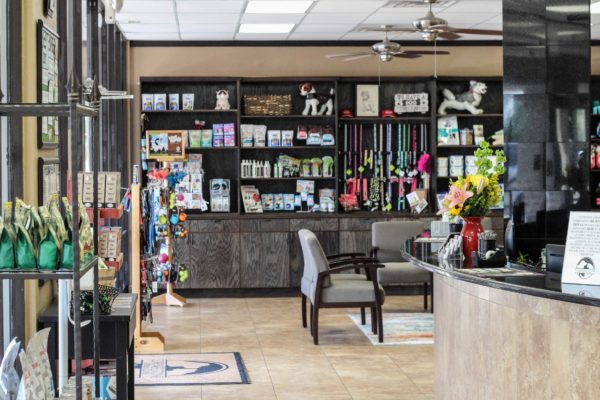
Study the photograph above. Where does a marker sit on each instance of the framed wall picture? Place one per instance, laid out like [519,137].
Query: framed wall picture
[165,145]
[47,83]
[367,100]
[48,179]
[49,7]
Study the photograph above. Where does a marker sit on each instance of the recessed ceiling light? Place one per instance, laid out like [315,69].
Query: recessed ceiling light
[595,8]
[278,7]
[266,28]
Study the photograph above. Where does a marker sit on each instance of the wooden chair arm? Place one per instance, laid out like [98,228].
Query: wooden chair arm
[350,261]
[346,255]
[337,270]
[374,251]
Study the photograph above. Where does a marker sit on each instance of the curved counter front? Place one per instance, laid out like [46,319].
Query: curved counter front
[511,337]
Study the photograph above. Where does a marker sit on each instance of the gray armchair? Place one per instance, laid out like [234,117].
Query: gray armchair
[387,238]
[325,285]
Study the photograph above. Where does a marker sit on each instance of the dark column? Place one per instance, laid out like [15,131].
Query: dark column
[546,118]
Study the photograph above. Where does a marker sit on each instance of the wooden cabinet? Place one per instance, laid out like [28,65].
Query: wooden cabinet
[265,260]
[214,261]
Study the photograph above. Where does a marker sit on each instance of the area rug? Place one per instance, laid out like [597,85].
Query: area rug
[178,369]
[400,328]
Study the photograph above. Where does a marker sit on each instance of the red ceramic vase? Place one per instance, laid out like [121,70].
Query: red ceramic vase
[470,236]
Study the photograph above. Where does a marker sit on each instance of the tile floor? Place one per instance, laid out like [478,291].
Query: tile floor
[282,362]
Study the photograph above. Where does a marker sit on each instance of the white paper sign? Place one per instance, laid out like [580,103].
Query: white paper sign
[582,253]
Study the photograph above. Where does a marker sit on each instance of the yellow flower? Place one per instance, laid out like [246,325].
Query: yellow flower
[480,182]
[454,211]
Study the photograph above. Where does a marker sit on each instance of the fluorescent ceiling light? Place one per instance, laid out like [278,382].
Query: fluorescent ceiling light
[278,7]
[595,8]
[266,28]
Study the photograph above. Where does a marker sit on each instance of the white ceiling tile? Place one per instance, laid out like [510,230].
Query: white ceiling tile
[152,36]
[341,18]
[132,6]
[314,36]
[475,6]
[207,36]
[141,28]
[146,18]
[363,36]
[261,36]
[207,28]
[336,6]
[321,28]
[199,18]
[272,18]
[212,6]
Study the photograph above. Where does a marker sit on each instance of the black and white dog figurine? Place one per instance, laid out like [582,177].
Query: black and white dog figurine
[313,100]
[222,100]
[466,101]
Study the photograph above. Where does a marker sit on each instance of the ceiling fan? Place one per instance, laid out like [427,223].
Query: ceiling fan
[431,27]
[386,51]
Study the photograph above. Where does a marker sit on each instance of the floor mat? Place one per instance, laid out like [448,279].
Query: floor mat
[400,328]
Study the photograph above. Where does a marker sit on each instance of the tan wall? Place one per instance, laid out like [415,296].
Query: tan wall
[36,299]
[293,61]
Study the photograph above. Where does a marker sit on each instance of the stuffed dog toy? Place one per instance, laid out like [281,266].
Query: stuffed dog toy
[222,100]
[313,100]
[466,101]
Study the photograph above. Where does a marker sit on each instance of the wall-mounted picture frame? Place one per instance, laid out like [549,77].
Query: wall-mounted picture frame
[367,100]
[165,145]
[47,83]
[49,7]
[48,179]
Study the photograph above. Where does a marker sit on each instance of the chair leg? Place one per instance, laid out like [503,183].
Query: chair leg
[380,323]
[362,316]
[304,311]
[315,324]
[373,321]
[425,305]
[312,322]
[432,303]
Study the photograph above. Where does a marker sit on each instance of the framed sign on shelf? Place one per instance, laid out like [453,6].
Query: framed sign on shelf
[47,83]
[165,145]
[367,100]
[48,179]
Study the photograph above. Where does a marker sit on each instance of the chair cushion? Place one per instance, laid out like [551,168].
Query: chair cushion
[350,291]
[402,272]
[342,276]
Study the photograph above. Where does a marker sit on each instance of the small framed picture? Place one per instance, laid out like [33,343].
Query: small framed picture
[48,179]
[367,100]
[165,145]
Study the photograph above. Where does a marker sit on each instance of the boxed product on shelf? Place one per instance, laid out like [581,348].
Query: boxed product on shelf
[218,135]
[112,193]
[101,189]
[220,195]
[447,132]
[188,101]
[442,167]
[206,138]
[328,137]
[268,202]
[174,101]
[289,201]
[478,134]
[229,135]
[251,199]
[278,202]
[470,167]
[274,137]
[85,182]
[302,133]
[160,102]
[247,135]
[147,102]
[314,136]
[287,138]
[260,135]
[457,166]
[194,139]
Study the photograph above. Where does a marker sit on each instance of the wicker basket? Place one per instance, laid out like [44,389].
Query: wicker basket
[269,104]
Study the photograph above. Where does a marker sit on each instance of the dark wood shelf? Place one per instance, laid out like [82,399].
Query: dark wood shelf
[390,119]
[472,115]
[317,117]
[48,275]
[469,146]
[202,149]
[202,111]
[316,147]
[294,178]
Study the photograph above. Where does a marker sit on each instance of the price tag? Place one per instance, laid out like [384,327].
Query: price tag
[154,287]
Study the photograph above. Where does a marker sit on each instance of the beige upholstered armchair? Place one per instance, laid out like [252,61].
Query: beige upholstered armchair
[326,286]
[387,238]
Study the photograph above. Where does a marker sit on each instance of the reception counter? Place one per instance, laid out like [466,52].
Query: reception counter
[511,337]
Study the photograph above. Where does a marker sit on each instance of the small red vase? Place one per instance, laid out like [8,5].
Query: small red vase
[470,236]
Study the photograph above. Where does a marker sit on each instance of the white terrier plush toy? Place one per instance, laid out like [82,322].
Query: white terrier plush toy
[222,100]
[466,101]
[313,100]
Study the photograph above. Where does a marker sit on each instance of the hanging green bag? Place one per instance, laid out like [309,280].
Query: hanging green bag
[7,239]
[66,260]
[48,249]
[25,250]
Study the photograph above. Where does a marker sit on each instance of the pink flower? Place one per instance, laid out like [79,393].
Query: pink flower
[456,198]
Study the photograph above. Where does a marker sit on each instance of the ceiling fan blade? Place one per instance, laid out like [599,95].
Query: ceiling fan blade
[347,55]
[449,35]
[474,31]
[358,57]
[384,28]
[425,52]
[407,55]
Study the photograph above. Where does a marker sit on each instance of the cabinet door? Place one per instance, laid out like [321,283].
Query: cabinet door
[265,260]
[181,256]
[215,261]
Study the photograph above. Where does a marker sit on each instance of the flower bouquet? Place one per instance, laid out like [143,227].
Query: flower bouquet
[471,197]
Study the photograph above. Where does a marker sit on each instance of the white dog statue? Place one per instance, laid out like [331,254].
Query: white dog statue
[465,101]
[313,100]
[222,100]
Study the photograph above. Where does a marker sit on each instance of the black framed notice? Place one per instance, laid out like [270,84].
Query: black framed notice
[47,83]
[48,179]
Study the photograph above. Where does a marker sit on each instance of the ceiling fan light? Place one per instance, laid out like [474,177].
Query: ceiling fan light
[429,36]
[385,57]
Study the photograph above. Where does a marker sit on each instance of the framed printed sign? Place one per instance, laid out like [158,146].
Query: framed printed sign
[47,83]
[165,145]
[411,103]
[367,100]
[48,179]
[581,263]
